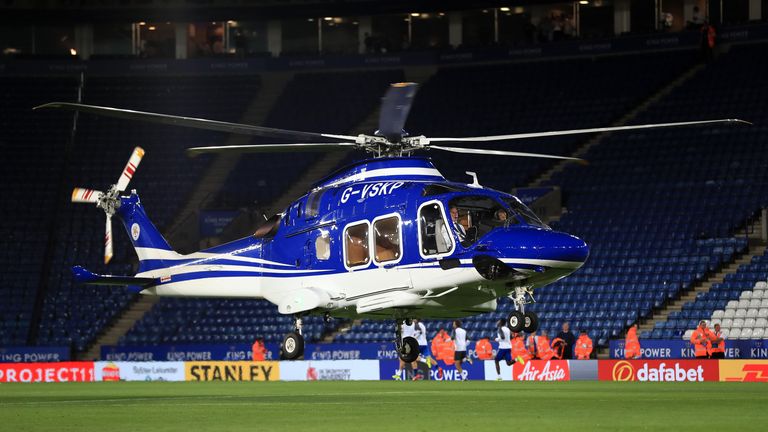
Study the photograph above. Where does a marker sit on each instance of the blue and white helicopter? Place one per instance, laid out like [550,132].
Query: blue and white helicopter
[388,237]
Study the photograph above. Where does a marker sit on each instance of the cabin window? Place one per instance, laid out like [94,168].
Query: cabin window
[387,239]
[433,230]
[323,247]
[356,245]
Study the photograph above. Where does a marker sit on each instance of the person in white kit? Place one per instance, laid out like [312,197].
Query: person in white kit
[405,331]
[460,343]
[504,339]
[420,333]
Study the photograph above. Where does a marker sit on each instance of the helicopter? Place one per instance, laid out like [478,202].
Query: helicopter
[387,237]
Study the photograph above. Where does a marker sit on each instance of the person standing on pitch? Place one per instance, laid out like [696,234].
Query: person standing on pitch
[632,344]
[567,337]
[460,343]
[583,347]
[258,350]
[405,331]
[717,349]
[701,339]
[420,333]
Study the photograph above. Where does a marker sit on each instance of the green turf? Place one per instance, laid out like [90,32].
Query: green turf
[372,406]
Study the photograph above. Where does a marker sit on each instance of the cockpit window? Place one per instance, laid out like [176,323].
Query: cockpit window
[476,216]
[525,213]
[313,204]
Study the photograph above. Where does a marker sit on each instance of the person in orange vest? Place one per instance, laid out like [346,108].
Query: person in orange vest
[632,344]
[583,348]
[259,350]
[484,349]
[530,342]
[701,338]
[519,351]
[544,351]
[558,348]
[717,346]
[436,344]
[447,352]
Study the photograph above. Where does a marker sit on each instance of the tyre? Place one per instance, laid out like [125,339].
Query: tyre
[515,321]
[530,322]
[293,346]
[409,350]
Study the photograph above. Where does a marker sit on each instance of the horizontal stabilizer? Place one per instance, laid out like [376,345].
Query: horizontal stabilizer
[87,277]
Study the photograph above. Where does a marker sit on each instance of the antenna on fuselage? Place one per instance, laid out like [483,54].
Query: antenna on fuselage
[475,183]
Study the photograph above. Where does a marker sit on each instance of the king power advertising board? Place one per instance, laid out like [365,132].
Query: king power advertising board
[439,372]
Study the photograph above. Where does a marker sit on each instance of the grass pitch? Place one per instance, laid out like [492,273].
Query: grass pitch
[386,406]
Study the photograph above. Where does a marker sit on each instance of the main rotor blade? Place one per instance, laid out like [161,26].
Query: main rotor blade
[502,153]
[273,148]
[586,131]
[395,106]
[83,195]
[193,122]
[130,168]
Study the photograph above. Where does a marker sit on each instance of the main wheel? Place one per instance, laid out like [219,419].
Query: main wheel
[530,322]
[515,321]
[409,350]
[293,346]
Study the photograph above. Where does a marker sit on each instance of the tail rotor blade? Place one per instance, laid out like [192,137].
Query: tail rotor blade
[108,240]
[83,195]
[130,168]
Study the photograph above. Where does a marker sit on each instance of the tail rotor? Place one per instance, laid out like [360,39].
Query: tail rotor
[110,201]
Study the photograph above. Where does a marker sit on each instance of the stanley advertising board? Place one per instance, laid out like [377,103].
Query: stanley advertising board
[232,371]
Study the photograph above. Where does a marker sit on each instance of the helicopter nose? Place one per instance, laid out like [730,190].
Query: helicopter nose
[567,247]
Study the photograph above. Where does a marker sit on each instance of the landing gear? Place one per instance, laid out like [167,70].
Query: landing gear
[408,347]
[293,344]
[531,322]
[519,319]
[515,321]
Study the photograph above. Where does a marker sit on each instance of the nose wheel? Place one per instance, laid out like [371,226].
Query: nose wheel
[520,320]
[293,343]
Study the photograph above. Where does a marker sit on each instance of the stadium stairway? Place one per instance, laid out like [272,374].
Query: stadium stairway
[120,326]
[757,247]
[183,232]
[179,234]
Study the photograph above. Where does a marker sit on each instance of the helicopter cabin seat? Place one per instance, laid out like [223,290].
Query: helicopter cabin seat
[357,251]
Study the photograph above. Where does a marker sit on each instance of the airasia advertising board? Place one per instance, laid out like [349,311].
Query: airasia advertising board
[46,372]
[744,370]
[541,370]
[668,370]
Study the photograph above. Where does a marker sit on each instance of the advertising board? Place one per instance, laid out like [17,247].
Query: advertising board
[46,372]
[658,370]
[744,370]
[329,370]
[232,371]
[139,371]
[440,372]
